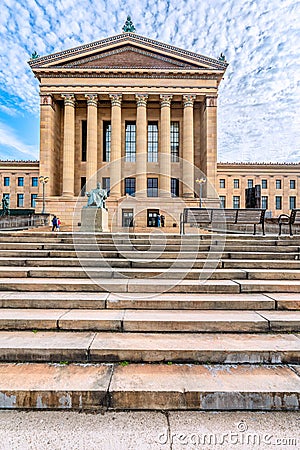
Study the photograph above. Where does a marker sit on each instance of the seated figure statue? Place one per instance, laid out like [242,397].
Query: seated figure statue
[97,197]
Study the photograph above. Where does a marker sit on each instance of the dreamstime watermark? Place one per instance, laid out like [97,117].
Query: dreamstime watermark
[97,254]
[241,436]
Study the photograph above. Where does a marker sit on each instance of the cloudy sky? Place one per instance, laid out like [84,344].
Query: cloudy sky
[259,98]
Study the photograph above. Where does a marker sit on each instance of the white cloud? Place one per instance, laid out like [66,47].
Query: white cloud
[12,143]
[259,97]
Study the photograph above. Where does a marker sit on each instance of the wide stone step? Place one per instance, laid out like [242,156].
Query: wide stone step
[154,387]
[119,285]
[130,273]
[261,264]
[54,346]
[85,300]
[261,285]
[150,320]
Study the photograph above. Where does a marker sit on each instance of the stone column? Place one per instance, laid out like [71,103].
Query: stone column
[92,131]
[69,145]
[47,154]
[116,142]
[211,145]
[188,146]
[141,145]
[165,146]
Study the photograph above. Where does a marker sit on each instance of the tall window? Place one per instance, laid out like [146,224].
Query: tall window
[292,184]
[278,185]
[130,186]
[222,201]
[174,141]
[292,202]
[152,142]
[264,202]
[222,183]
[236,201]
[6,181]
[250,183]
[83,139]
[127,217]
[152,187]
[20,181]
[33,200]
[106,184]
[236,183]
[34,181]
[174,187]
[278,202]
[106,141]
[130,141]
[20,200]
[83,186]
[264,184]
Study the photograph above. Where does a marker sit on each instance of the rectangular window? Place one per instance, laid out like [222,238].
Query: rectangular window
[264,184]
[174,187]
[106,141]
[33,200]
[222,201]
[174,142]
[106,184]
[34,181]
[20,181]
[250,183]
[127,217]
[236,201]
[152,187]
[236,183]
[82,186]
[292,184]
[292,202]
[130,186]
[278,202]
[6,181]
[83,139]
[278,185]
[130,142]
[264,202]
[20,200]
[222,183]
[152,142]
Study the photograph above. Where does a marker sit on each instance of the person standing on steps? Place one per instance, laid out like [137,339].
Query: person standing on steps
[54,223]
[158,220]
[162,220]
[58,224]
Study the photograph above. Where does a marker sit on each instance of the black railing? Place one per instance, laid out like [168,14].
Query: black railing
[23,222]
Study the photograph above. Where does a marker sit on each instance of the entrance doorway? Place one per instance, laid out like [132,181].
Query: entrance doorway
[152,217]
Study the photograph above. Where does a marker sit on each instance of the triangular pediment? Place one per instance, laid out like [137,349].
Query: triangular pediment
[127,51]
[128,57]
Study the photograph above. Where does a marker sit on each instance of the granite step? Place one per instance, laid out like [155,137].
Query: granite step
[85,300]
[54,346]
[192,321]
[149,387]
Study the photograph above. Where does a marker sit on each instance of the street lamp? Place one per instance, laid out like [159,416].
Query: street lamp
[201,182]
[43,180]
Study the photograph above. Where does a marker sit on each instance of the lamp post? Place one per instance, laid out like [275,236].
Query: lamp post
[43,180]
[201,182]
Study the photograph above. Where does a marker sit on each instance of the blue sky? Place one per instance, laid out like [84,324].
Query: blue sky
[259,97]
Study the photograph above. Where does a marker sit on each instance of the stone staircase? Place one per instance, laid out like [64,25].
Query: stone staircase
[149,321]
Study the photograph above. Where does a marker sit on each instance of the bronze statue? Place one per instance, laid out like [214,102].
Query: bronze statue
[5,206]
[97,197]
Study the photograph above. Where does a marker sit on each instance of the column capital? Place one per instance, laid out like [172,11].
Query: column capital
[116,99]
[46,99]
[92,99]
[141,99]
[165,100]
[188,100]
[211,101]
[69,99]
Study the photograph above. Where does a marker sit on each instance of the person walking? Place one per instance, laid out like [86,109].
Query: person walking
[54,223]
[58,224]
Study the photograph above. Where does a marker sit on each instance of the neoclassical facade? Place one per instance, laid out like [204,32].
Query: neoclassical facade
[135,114]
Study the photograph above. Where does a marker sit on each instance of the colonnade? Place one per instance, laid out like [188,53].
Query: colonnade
[141,144]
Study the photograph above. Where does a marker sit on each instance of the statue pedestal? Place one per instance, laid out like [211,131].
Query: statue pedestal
[94,219]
